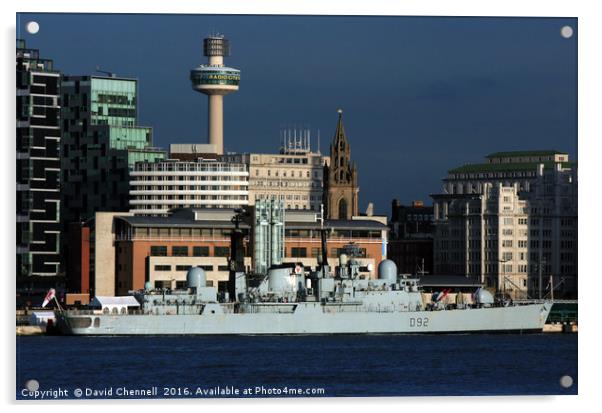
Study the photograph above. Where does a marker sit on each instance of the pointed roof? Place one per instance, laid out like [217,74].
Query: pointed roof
[339,134]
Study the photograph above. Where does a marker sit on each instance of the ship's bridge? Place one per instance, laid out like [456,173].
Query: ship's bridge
[215,79]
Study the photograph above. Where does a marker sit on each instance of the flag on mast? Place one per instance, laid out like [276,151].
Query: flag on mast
[49,296]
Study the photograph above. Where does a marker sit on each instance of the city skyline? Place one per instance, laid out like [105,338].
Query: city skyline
[511,81]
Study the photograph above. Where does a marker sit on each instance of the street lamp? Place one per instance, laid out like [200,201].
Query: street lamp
[542,262]
[503,274]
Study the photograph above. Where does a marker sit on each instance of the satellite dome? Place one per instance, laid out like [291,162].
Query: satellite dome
[387,270]
[196,278]
[482,296]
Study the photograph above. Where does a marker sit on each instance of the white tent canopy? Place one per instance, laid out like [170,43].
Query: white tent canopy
[114,304]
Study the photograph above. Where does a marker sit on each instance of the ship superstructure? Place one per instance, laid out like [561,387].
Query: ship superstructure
[289,299]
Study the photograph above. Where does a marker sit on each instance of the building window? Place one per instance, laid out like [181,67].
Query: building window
[162,267]
[180,251]
[183,267]
[336,252]
[221,251]
[200,251]
[158,251]
[299,252]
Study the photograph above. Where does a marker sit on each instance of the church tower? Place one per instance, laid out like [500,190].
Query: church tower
[340,187]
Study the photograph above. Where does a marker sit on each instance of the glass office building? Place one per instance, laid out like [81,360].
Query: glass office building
[101,142]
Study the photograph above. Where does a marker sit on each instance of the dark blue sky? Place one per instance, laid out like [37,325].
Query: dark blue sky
[420,95]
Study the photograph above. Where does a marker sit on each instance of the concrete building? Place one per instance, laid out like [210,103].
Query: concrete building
[91,255]
[156,187]
[294,175]
[410,243]
[215,80]
[511,222]
[131,250]
[520,167]
[38,169]
[192,151]
[341,191]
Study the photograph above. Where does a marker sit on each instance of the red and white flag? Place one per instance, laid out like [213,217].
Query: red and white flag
[49,296]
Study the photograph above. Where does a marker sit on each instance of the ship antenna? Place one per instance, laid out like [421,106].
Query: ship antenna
[323,239]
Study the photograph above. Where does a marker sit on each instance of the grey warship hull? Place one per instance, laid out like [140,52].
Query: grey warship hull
[312,318]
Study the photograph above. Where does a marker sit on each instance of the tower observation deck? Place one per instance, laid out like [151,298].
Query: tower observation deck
[215,80]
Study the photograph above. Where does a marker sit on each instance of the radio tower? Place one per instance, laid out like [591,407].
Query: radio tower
[215,80]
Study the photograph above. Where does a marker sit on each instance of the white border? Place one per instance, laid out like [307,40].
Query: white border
[589,35]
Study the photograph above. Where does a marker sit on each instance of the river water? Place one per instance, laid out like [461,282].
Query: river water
[281,366]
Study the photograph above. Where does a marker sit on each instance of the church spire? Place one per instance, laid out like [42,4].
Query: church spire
[340,187]
[339,134]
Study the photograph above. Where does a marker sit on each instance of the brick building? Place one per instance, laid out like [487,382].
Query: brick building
[160,250]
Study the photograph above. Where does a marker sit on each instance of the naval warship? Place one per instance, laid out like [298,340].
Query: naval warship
[289,300]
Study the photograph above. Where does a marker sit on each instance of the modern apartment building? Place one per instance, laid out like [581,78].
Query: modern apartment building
[38,167]
[156,187]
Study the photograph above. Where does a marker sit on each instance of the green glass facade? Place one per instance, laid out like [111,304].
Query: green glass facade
[113,101]
[101,143]
[142,155]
